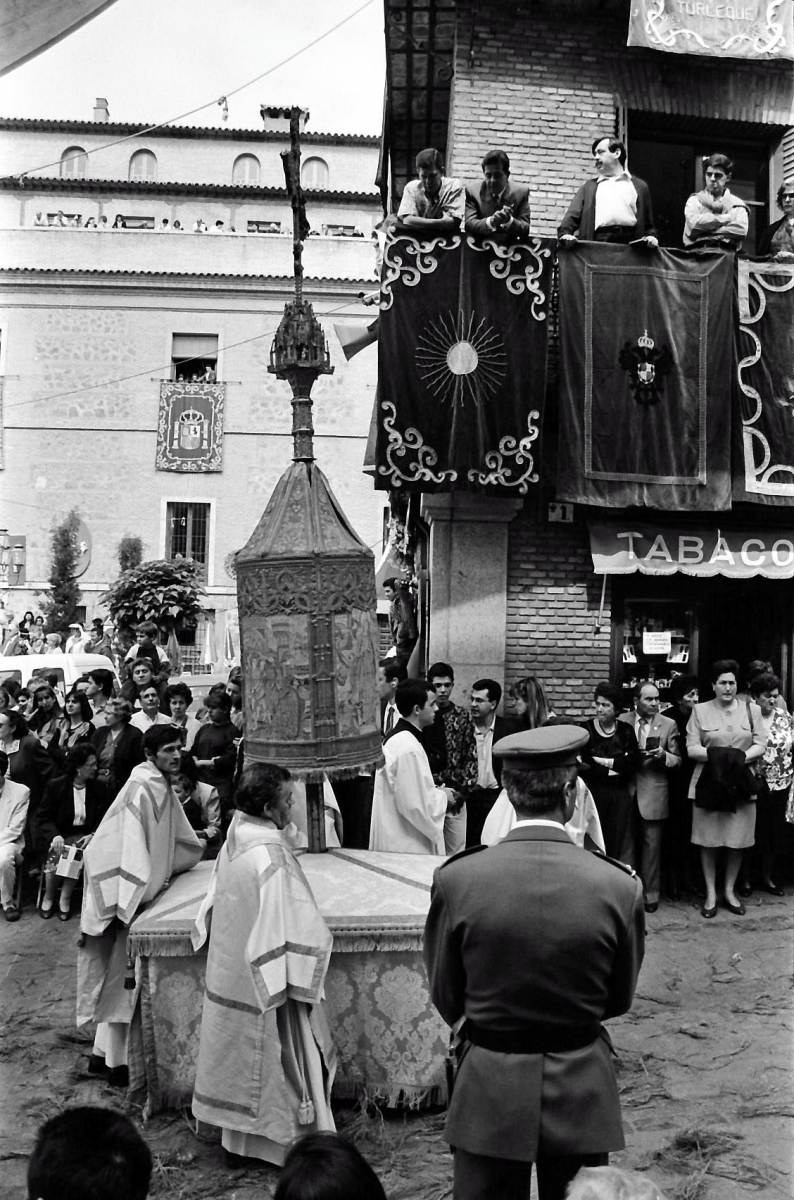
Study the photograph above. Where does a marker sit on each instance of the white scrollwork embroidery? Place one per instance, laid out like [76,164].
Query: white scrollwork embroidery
[761,476]
[528,274]
[762,37]
[420,260]
[500,472]
[400,445]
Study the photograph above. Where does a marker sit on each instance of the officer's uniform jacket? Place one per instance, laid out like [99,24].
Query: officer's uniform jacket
[534,933]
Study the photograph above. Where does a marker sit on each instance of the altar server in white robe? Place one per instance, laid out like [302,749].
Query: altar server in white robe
[408,810]
[266,1059]
[142,841]
[584,827]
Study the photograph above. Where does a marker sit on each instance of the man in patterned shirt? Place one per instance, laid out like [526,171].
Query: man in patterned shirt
[452,752]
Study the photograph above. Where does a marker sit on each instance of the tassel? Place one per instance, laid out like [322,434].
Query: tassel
[129,976]
[306,1114]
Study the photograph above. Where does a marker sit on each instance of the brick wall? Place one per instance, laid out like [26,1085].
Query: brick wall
[553,601]
[538,87]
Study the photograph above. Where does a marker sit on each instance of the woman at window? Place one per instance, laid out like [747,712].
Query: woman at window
[778,239]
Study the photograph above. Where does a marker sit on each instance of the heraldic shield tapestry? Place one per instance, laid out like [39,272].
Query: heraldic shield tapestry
[766,383]
[190,427]
[462,364]
[646,352]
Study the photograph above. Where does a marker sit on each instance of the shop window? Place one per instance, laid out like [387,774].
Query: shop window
[143,165]
[187,533]
[246,170]
[196,644]
[314,173]
[194,356]
[74,163]
[658,643]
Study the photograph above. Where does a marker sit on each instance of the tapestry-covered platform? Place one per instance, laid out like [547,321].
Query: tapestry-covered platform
[391,1043]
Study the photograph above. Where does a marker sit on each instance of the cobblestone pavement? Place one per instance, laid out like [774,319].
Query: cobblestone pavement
[706,1068]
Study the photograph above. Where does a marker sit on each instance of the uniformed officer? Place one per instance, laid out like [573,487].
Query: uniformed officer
[534,942]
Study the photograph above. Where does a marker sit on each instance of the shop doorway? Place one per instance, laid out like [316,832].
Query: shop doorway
[746,620]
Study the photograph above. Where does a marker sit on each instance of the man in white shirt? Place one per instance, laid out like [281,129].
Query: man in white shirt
[614,206]
[433,205]
[408,810]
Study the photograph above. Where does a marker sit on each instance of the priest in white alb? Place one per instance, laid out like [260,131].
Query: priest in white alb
[408,810]
[266,1059]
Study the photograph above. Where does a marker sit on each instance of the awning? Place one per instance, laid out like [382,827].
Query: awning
[622,549]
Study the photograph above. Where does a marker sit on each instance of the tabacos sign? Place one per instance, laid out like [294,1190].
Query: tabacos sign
[656,550]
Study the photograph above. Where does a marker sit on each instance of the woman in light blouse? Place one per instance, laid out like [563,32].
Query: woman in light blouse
[723,722]
[777,768]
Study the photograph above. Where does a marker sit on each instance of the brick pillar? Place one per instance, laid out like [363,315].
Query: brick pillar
[468,590]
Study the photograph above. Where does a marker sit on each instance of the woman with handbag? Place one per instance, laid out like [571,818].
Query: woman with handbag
[69,813]
[723,737]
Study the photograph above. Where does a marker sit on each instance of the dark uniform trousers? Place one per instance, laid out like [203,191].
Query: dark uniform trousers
[477,1177]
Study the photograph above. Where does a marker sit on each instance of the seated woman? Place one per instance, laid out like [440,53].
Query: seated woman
[47,716]
[199,802]
[257,993]
[715,217]
[778,239]
[76,724]
[71,808]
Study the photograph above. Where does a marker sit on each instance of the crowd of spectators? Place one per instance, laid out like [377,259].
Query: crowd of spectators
[136,224]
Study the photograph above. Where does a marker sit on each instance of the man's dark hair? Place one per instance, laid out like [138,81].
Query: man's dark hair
[179,690]
[430,158]
[157,736]
[89,1154]
[103,679]
[326,1166]
[148,628]
[440,670]
[537,792]
[497,158]
[614,145]
[392,669]
[258,787]
[409,693]
[392,583]
[680,686]
[490,686]
[643,683]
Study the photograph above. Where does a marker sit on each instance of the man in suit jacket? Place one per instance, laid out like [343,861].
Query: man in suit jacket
[614,206]
[534,942]
[488,729]
[497,209]
[660,753]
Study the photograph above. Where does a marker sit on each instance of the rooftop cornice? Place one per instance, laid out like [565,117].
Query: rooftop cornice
[117,187]
[119,129]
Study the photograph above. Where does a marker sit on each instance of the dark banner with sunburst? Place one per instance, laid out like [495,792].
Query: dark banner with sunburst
[462,364]
[646,377]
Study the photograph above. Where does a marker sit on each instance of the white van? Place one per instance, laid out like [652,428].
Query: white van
[68,667]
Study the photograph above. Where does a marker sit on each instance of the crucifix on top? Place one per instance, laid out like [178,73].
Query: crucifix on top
[291,160]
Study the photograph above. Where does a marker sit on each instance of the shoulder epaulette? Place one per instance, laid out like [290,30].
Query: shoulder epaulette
[461,854]
[627,870]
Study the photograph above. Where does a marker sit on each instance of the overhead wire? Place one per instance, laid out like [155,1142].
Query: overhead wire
[20,175]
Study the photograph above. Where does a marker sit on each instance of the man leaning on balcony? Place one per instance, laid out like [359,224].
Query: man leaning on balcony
[432,205]
[614,206]
[496,208]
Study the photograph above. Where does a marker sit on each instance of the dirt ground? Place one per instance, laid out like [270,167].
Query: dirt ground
[706,1067]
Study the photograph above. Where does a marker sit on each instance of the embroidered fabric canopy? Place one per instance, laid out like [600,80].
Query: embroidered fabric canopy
[664,550]
[462,364]
[759,29]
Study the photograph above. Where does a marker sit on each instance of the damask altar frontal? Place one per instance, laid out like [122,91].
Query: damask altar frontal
[391,1043]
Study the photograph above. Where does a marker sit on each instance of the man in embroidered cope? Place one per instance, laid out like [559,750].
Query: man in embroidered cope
[613,207]
[143,839]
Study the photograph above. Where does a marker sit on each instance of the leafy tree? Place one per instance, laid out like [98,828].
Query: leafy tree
[130,552]
[167,593]
[59,608]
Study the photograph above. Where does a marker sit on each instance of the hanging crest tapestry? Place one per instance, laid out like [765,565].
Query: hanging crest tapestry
[759,29]
[462,364]
[190,427]
[646,371]
[766,383]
